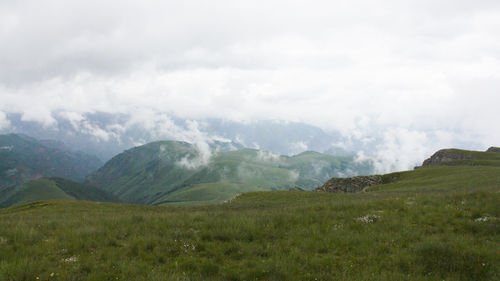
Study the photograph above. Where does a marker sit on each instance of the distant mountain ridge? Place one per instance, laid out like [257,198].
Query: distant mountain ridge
[177,172]
[23,158]
[105,134]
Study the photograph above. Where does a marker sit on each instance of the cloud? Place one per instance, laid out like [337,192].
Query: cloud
[267,156]
[294,175]
[403,149]
[4,122]
[202,143]
[379,73]
[298,147]
[400,148]
[82,125]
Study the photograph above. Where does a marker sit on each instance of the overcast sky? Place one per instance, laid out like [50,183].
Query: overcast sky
[417,74]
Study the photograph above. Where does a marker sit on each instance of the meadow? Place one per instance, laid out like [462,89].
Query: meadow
[434,223]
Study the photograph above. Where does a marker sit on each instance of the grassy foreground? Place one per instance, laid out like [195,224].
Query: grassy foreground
[435,223]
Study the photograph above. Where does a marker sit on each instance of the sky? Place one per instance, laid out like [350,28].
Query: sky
[415,75]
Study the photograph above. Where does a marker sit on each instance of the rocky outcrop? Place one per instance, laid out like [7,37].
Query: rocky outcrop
[493,149]
[446,157]
[350,185]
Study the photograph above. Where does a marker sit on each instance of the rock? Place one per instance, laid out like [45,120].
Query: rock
[493,149]
[350,185]
[446,157]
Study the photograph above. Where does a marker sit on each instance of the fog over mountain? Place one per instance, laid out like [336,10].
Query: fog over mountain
[106,135]
[391,82]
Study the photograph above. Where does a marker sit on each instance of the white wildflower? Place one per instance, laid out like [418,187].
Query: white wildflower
[71,259]
[368,218]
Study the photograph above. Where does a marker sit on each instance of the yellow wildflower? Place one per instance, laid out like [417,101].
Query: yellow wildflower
[52,274]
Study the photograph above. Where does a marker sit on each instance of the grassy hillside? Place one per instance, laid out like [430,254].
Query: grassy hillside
[35,190]
[441,178]
[434,223]
[23,158]
[167,172]
[52,188]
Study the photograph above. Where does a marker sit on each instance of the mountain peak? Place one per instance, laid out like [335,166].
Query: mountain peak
[458,157]
[493,149]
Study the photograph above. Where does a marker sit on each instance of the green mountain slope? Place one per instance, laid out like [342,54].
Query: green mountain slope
[52,188]
[168,171]
[23,158]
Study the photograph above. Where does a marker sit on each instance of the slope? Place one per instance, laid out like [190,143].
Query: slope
[447,168]
[23,158]
[169,171]
[52,188]
[459,157]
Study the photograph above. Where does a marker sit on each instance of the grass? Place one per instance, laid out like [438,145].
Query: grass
[435,223]
[211,192]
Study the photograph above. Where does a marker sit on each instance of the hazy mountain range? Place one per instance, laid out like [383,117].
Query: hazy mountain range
[170,171]
[159,172]
[23,158]
[105,135]
[211,168]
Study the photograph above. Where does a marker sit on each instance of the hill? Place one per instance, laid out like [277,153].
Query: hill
[52,188]
[458,157]
[443,157]
[432,223]
[493,149]
[177,172]
[23,158]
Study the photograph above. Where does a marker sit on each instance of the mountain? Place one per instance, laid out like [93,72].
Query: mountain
[52,188]
[23,158]
[178,172]
[106,134]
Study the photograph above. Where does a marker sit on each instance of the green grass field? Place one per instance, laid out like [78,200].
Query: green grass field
[434,223]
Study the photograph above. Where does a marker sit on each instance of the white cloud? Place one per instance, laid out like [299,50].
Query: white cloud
[298,147]
[377,72]
[201,142]
[401,148]
[294,175]
[4,122]
[267,156]
[82,125]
